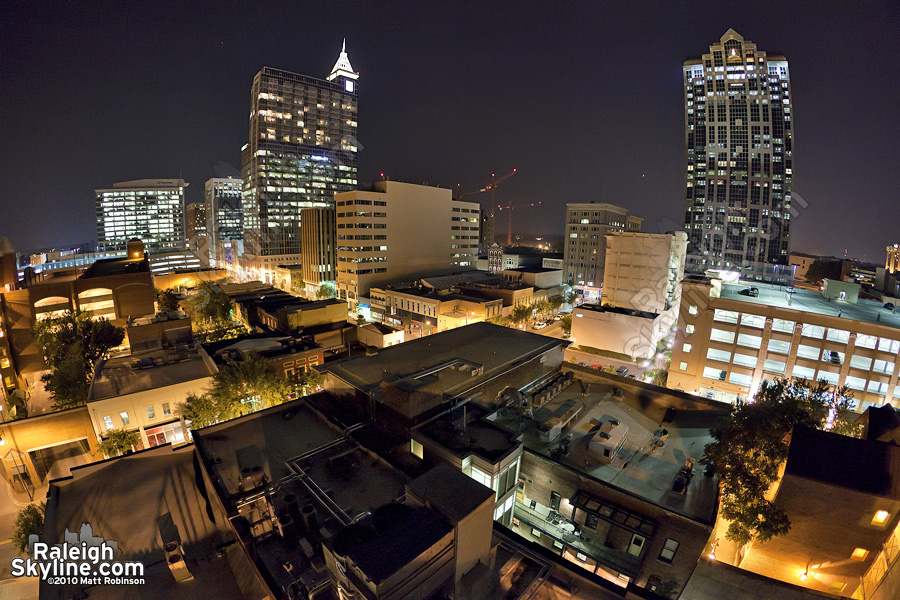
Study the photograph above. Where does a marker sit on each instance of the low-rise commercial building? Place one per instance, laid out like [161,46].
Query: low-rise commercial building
[731,337]
[404,385]
[430,310]
[843,499]
[141,392]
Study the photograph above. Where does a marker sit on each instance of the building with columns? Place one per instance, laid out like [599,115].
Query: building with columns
[731,337]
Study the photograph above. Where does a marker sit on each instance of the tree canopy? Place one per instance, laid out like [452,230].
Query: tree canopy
[168,300]
[244,386]
[119,441]
[751,443]
[30,520]
[72,344]
[565,322]
[326,290]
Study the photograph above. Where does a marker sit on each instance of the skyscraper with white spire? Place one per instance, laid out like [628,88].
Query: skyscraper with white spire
[739,146]
[301,152]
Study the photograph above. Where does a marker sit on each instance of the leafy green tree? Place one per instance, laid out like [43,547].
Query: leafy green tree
[71,345]
[565,322]
[326,290]
[30,520]
[498,320]
[307,381]
[823,269]
[360,320]
[69,383]
[556,303]
[119,441]
[168,300]
[252,382]
[202,410]
[520,314]
[570,297]
[750,445]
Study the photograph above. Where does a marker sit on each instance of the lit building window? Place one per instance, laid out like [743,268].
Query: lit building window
[687,348]
[880,517]
[107,422]
[859,554]
[692,309]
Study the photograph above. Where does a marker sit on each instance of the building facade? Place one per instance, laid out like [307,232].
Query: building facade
[892,263]
[400,230]
[739,152]
[224,218]
[301,152]
[728,341]
[195,224]
[151,210]
[318,255]
[585,244]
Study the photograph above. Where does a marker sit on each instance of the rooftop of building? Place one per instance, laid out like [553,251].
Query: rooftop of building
[380,328]
[443,282]
[865,466]
[293,451]
[533,270]
[264,344]
[464,431]
[637,468]
[618,310]
[450,491]
[147,184]
[116,266]
[150,370]
[135,500]
[493,347]
[813,302]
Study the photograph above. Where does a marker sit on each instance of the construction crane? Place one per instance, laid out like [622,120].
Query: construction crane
[509,210]
[492,188]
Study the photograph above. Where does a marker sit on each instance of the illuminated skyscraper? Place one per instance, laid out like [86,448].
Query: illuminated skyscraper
[151,210]
[224,217]
[739,143]
[302,151]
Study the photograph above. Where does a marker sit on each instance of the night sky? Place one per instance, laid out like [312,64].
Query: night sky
[584,98]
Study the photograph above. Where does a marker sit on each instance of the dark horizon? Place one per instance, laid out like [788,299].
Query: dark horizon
[586,103]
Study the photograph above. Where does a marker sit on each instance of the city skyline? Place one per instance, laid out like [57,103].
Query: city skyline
[480,85]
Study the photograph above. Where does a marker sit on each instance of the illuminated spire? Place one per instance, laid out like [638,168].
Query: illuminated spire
[342,66]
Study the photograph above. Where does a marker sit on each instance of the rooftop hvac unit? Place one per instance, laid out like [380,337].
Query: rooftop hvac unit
[175,560]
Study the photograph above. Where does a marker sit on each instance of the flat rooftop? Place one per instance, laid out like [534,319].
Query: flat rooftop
[125,499]
[464,432]
[811,301]
[636,467]
[618,310]
[494,347]
[116,266]
[149,370]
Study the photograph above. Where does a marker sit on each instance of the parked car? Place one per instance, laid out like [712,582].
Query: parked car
[622,371]
[753,292]
[889,306]
[539,325]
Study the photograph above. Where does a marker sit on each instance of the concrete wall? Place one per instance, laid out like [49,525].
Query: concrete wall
[26,435]
[632,335]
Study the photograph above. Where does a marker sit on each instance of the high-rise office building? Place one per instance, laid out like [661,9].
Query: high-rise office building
[224,217]
[151,210]
[401,231]
[585,245]
[318,250]
[195,224]
[302,151]
[739,143]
